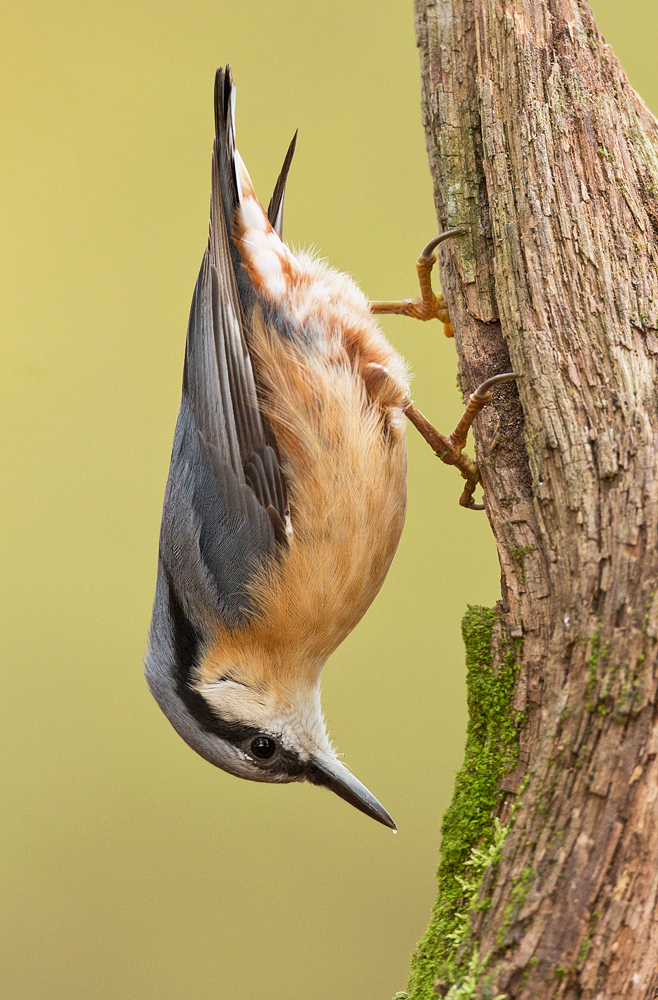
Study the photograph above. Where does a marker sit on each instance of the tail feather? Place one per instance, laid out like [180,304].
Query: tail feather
[225,144]
[275,207]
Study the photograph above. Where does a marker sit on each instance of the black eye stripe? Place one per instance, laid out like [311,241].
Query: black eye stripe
[188,642]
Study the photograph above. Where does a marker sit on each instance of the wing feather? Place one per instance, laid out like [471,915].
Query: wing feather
[230,482]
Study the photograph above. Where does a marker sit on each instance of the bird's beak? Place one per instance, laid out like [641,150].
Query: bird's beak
[331,774]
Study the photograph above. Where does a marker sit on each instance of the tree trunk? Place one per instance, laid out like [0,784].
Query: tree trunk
[541,149]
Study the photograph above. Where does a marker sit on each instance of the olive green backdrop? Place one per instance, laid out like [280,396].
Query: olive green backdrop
[130,867]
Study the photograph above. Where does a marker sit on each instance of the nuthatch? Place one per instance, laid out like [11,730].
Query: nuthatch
[287,488]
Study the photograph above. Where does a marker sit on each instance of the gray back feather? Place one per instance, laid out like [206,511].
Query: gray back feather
[226,501]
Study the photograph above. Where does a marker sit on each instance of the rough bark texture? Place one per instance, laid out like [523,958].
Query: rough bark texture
[541,148]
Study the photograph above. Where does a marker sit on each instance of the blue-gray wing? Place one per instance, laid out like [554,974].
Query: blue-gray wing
[226,506]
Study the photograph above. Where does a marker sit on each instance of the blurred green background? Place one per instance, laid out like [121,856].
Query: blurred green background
[130,867]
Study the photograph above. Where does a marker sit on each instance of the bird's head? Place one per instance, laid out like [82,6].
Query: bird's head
[257,715]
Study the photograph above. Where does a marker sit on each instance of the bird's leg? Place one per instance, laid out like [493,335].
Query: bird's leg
[451,449]
[429,305]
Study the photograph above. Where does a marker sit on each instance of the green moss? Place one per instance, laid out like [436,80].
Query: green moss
[519,895]
[594,659]
[587,940]
[518,555]
[628,701]
[473,977]
[647,617]
[472,836]
[528,969]
[597,656]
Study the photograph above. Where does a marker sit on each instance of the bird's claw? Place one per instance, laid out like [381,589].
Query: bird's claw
[428,305]
[450,449]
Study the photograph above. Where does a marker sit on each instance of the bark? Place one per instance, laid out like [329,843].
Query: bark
[539,146]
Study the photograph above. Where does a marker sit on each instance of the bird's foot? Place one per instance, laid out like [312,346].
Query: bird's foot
[450,449]
[428,305]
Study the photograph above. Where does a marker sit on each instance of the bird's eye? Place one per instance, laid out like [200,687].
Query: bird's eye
[262,747]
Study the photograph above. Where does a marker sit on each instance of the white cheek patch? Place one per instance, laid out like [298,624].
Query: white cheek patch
[299,724]
[237,703]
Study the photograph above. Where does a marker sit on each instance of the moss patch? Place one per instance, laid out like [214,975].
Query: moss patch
[520,892]
[518,555]
[471,838]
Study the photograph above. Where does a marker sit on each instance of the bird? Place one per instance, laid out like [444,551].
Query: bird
[286,493]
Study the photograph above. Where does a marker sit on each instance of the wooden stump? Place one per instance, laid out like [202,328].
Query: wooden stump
[540,147]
